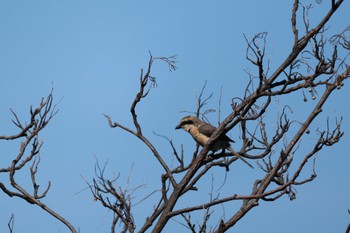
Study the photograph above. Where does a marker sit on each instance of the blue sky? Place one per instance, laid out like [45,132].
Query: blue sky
[91,53]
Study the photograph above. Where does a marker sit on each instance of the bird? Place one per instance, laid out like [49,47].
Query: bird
[201,132]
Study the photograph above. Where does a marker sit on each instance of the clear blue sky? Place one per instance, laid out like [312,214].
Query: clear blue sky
[92,52]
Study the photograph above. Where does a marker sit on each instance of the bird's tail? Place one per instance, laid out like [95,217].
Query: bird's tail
[238,156]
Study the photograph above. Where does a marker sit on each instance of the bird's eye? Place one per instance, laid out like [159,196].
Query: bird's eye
[189,122]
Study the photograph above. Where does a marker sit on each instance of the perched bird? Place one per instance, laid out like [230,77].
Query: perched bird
[201,132]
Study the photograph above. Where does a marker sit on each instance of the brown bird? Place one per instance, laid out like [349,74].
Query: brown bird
[201,132]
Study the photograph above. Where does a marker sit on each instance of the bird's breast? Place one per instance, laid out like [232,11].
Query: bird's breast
[200,138]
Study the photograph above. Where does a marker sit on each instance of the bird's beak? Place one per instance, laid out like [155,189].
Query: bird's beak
[178,126]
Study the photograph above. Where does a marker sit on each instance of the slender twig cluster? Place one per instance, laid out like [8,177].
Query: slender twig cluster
[29,136]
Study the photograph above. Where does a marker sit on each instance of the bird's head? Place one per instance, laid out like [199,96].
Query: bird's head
[187,123]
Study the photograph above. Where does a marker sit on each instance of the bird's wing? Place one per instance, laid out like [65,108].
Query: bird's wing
[208,130]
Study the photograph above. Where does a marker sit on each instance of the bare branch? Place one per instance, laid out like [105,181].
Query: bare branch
[39,118]
[11,223]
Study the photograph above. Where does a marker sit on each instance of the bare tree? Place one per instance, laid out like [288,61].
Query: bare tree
[314,65]
[317,64]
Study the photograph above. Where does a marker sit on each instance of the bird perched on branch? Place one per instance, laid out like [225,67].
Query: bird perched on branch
[201,132]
